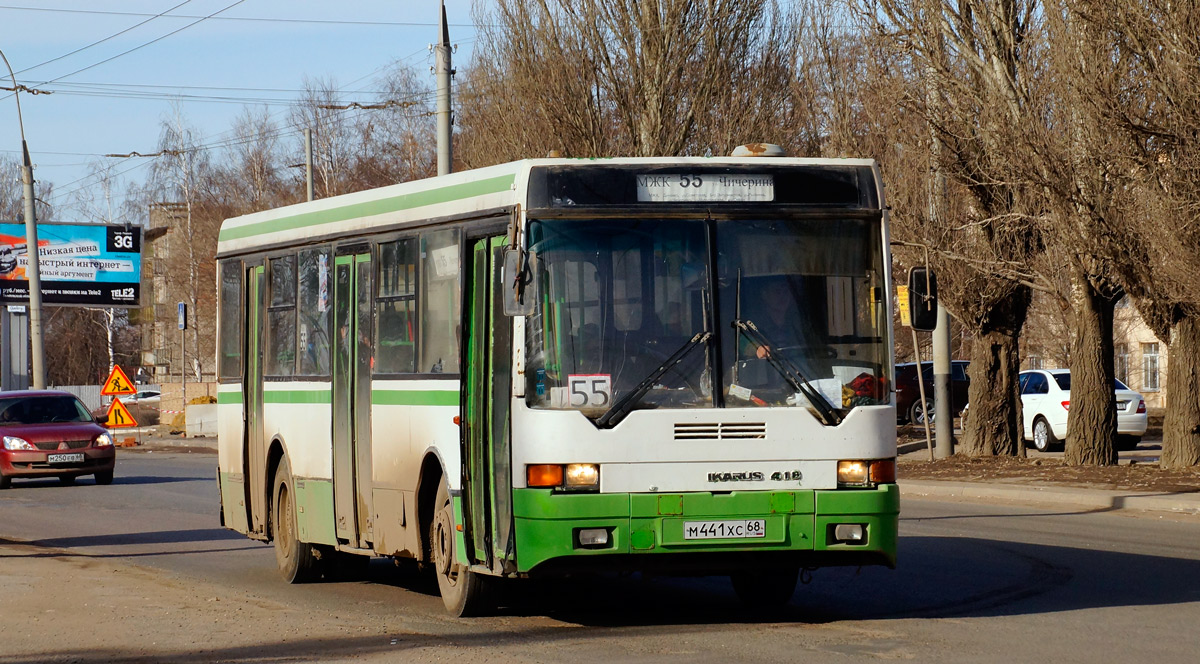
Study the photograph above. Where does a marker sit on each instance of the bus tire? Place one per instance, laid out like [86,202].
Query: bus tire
[464,592]
[295,559]
[765,590]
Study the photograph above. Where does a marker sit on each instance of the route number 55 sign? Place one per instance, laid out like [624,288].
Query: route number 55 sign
[590,390]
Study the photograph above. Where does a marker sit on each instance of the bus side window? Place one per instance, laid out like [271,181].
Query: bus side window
[395,308]
[316,284]
[281,318]
[230,345]
[440,302]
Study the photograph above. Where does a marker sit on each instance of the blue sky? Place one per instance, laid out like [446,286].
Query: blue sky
[67,130]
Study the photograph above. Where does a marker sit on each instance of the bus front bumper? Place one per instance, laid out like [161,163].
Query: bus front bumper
[684,532]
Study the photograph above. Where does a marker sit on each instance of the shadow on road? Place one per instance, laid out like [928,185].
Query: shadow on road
[213,535]
[938,577]
[944,577]
[28,483]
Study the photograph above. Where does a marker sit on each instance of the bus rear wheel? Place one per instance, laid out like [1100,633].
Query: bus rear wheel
[765,590]
[295,559]
[464,592]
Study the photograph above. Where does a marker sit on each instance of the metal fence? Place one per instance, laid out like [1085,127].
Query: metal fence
[90,394]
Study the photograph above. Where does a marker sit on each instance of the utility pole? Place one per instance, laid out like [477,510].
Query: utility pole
[33,269]
[943,406]
[444,74]
[943,409]
[308,162]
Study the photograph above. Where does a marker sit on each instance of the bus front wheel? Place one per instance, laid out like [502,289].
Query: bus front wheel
[295,559]
[764,590]
[464,592]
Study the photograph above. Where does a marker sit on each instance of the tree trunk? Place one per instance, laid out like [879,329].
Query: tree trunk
[992,426]
[1092,419]
[1181,427]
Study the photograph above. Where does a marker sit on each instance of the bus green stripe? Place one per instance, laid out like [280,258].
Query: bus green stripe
[415,397]
[378,397]
[371,208]
[298,396]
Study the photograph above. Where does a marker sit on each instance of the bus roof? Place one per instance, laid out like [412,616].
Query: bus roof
[457,195]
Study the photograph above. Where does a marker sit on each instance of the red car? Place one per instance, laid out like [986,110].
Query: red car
[52,434]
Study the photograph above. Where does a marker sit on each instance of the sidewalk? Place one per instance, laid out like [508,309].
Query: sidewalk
[1134,503]
[1048,494]
[1150,504]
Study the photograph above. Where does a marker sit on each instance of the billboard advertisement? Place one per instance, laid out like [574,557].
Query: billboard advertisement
[80,264]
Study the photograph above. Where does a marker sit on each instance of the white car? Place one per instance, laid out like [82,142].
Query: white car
[1046,400]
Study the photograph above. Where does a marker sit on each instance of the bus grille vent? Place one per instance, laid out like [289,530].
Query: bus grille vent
[720,430]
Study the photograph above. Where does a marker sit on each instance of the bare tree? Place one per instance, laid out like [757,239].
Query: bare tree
[599,78]
[1151,56]
[321,111]
[253,157]
[959,64]
[396,138]
[12,195]
[182,178]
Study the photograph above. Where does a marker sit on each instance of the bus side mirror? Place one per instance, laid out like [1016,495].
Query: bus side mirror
[519,291]
[922,298]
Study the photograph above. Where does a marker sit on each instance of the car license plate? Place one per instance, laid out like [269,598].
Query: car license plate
[76,457]
[740,529]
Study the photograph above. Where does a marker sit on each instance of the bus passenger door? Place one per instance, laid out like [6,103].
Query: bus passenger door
[352,399]
[254,453]
[487,458]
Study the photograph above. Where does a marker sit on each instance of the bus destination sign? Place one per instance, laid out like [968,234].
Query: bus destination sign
[705,188]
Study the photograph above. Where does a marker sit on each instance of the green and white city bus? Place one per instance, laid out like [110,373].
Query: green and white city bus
[676,365]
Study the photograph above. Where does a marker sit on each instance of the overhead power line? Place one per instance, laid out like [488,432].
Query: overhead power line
[152,41]
[23,88]
[228,138]
[95,43]
[391,103]
[135,153]
[261,19]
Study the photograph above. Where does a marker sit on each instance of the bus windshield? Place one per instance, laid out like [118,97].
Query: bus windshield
[627,307]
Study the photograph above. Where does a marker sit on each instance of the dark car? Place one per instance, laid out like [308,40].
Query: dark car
[52,434]
[908,392]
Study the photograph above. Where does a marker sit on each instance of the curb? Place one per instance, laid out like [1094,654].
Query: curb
[1097,500]
[1044,496]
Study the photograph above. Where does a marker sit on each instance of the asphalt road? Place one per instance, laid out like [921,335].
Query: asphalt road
[975,583]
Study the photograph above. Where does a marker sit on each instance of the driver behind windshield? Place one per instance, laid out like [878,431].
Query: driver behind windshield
[774,305]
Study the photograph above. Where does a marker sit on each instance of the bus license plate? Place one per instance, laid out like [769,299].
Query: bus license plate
[65,458]
[741,529]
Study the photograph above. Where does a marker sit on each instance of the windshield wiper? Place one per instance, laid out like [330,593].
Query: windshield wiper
[790,372]
[625,404]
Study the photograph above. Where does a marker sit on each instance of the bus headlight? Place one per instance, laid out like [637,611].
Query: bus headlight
[865,473]
[583,476]
[570,477]
[852,473]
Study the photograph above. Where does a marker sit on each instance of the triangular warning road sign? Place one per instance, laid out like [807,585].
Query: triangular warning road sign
[117,384]
[118,416]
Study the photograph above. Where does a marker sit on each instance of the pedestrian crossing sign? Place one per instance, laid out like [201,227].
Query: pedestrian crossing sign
[118,384]
[118,416]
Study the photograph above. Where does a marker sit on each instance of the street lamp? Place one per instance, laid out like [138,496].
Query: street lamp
[33,271]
